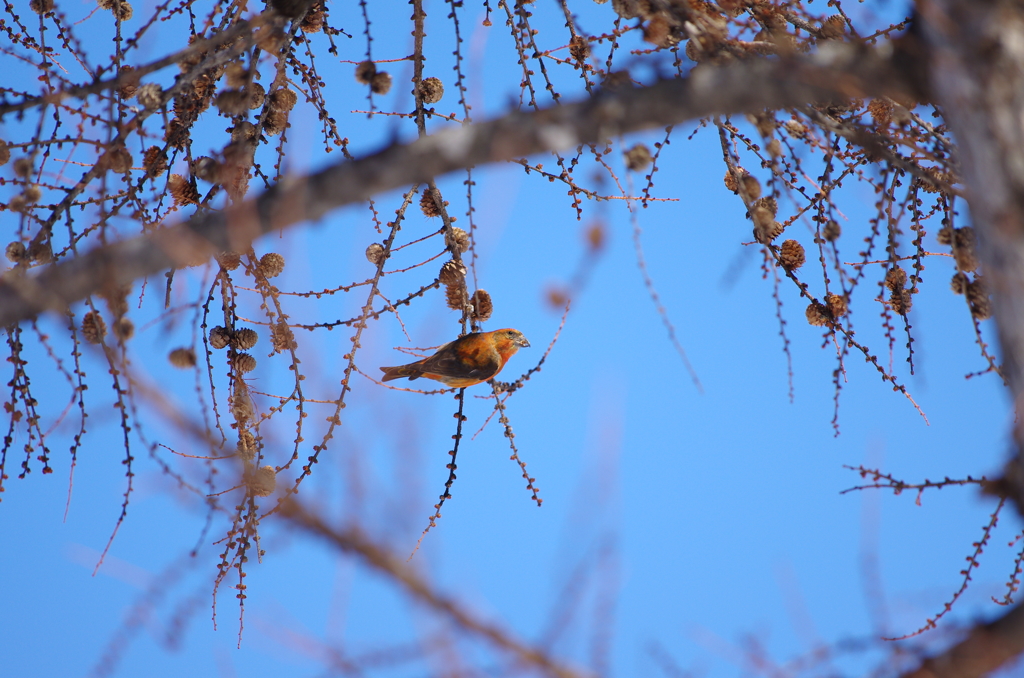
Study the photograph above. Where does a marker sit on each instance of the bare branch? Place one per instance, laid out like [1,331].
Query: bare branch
[835,72]
[986,648]
[979,75]
[354,541]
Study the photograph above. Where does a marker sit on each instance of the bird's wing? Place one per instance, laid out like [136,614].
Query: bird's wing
[463,358]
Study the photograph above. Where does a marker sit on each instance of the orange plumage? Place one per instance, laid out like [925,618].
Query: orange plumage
[468,360]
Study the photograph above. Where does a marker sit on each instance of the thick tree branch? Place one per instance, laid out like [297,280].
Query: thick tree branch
[836,72]
[978,77]
[353,541]
[985,649]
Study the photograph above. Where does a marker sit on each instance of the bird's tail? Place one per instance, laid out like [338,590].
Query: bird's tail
[399,372]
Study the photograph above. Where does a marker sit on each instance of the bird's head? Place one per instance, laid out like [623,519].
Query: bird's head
[514,337]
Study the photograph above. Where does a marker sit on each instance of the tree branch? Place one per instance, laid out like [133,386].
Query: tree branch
[977,74]
[837,71]
[352,540]
[986,648]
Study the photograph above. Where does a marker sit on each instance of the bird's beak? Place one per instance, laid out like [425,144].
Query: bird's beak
[522,341]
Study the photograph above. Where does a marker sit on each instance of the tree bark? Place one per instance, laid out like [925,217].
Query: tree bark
[976,56]
[977,66]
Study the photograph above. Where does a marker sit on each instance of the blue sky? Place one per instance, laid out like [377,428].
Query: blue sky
[676,523]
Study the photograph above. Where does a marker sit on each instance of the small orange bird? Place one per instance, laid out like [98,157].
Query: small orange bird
[468,360]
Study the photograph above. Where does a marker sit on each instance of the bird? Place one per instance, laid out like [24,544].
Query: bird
[469,360]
